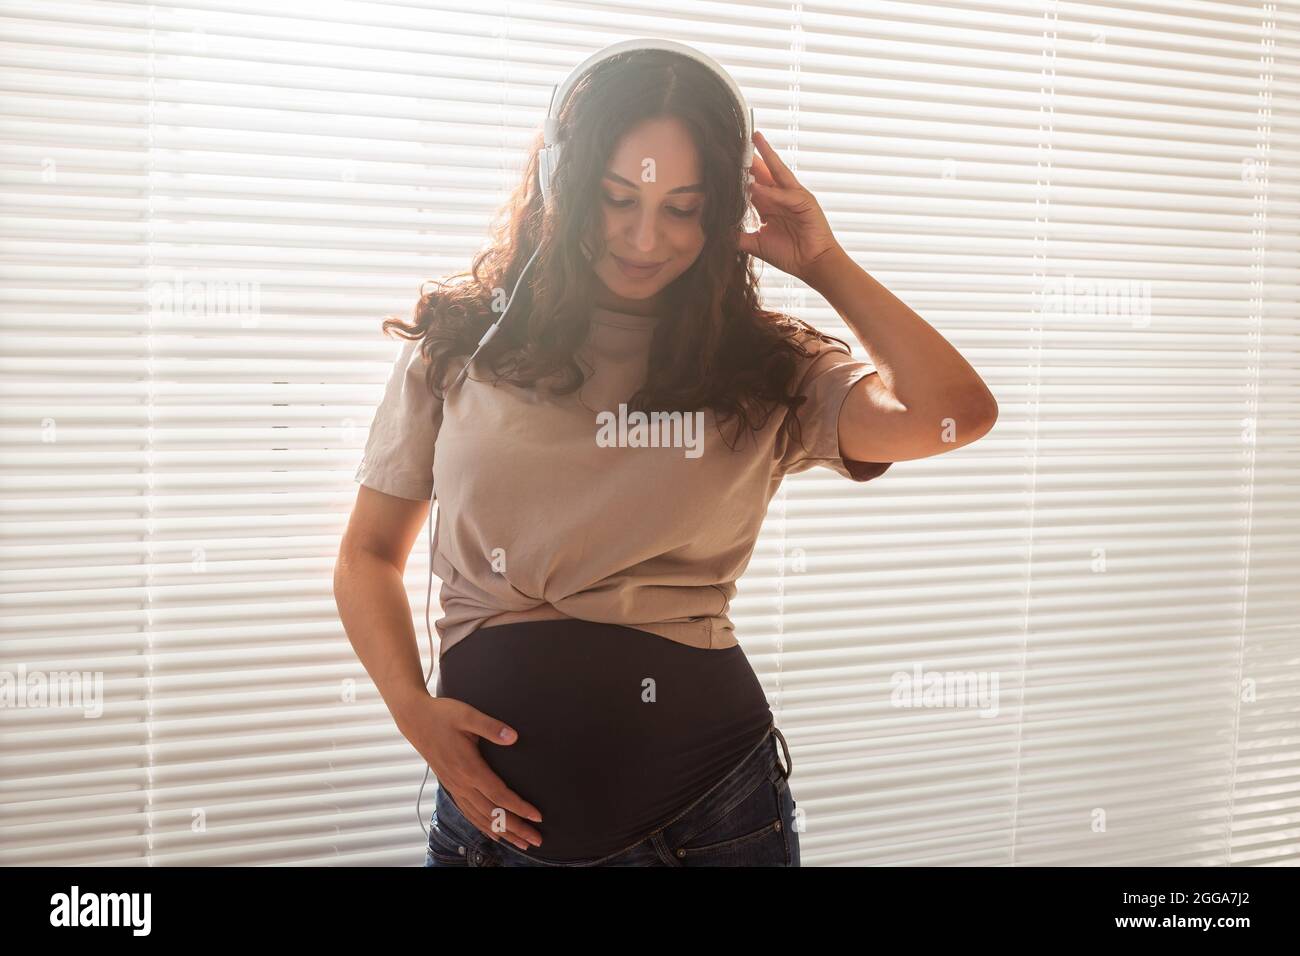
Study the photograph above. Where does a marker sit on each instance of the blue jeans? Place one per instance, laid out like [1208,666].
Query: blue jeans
[746,819]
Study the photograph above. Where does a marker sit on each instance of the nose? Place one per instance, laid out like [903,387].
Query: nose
[643,230]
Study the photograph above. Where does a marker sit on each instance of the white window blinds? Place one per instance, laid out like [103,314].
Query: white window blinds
[209,207]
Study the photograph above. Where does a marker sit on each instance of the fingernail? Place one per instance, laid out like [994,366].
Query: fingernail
[505,733]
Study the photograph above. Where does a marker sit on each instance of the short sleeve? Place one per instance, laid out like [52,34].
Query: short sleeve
[398,457]
[827,378]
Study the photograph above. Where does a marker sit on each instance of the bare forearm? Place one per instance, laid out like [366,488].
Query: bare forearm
[372,604]
[917,364]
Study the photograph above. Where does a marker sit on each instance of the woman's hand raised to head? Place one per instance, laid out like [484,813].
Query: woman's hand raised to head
[446,733]
[795,233]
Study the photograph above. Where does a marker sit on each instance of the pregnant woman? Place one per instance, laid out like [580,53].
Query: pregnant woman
[602,470]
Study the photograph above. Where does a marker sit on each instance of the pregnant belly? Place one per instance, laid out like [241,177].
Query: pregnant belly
[618,728]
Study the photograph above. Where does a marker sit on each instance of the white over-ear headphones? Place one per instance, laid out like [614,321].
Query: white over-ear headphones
[549,157]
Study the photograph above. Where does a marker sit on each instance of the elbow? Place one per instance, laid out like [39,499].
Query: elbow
[981,412]
[989,415]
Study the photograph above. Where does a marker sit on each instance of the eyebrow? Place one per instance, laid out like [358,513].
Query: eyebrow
[695,188]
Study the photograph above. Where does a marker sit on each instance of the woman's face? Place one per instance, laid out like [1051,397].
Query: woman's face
[652,197]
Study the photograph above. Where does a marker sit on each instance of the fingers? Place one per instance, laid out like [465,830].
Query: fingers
[774,165]
[765,192]
[489,728]
[493,788]
[480,774]
[495,821]
[759,170]
[770,198]
[483,796]
[514,823]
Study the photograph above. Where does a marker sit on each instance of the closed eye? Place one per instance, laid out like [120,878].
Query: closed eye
[679,213]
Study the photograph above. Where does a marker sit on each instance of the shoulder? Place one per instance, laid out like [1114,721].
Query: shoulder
[413,371]
[815,353]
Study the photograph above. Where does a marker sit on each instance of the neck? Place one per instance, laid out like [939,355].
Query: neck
[605,299]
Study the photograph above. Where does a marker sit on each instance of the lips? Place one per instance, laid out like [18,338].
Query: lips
[635,271]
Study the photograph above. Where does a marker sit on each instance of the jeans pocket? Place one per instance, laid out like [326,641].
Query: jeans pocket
[453,840]
[752,832]
[444,849]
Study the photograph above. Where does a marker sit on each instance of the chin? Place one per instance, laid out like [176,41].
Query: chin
[627,288]
[636,294]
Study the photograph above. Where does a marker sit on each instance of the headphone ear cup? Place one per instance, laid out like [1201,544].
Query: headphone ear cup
[548,159]
[751,219]
[544,173]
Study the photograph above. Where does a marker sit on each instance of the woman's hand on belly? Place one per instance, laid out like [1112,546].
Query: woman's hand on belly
[446,734]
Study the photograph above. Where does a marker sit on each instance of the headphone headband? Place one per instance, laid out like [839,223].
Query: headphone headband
[551,150]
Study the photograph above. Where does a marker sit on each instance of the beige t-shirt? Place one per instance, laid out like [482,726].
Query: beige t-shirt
[568,507]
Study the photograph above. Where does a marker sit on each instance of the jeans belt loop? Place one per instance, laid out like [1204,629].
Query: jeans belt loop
[789,766]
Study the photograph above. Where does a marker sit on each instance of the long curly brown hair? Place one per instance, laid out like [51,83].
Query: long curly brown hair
[714,347]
